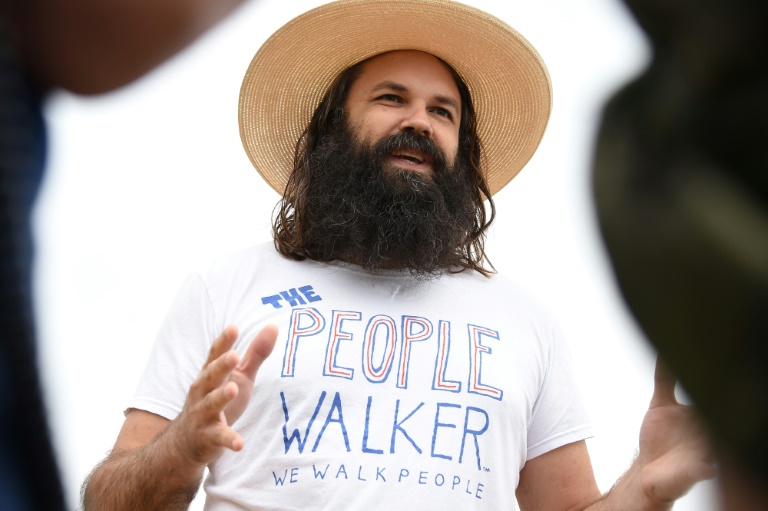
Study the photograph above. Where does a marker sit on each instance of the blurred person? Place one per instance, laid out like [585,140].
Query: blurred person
[681,190]
[407,374]
[86,47]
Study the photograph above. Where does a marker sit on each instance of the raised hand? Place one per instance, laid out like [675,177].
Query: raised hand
[674,450]
[218,397]
[157,463]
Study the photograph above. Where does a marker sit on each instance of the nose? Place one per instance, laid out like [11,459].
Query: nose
[417,120]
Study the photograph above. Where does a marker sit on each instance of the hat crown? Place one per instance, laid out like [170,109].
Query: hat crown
[294,68]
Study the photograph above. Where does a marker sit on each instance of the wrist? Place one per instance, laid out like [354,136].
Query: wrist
[632,492]
[183,465]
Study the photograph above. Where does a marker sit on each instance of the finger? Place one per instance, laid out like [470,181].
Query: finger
[222,344]
[703,471]
[213,404]
[213,375]
[258,350]
[663,386]
[224,436]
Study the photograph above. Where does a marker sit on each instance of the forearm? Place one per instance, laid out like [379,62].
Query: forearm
[154,476]
[630,494]
[157,464]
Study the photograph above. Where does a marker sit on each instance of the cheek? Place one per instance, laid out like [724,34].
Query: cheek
[374,128]
[450,146]
[360,129]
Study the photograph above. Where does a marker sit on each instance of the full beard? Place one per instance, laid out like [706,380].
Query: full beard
[362,209]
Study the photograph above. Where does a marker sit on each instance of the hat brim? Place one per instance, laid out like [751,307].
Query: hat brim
[293,69]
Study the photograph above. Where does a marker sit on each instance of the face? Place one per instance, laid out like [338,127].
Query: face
[380,180]
[406,91]
[358,210]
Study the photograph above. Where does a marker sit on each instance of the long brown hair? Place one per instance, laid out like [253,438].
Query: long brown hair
[291,210]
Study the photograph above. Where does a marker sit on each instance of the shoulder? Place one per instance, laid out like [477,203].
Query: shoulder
[257,269]
[496,290]
[261,258]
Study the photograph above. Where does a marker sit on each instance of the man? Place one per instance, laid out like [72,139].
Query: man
[85,47]
[405,374]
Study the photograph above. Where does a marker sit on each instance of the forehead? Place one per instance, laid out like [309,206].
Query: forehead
[410,68]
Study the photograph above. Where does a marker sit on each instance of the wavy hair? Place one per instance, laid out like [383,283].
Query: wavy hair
[290,213]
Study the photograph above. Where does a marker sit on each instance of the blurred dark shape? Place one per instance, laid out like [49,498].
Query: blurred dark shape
[26,453]
[87,47]
[681,184]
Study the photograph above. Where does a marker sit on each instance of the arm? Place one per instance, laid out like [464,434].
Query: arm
[143,471]
[93,46]
[561,479]
[673,456]
[157,463]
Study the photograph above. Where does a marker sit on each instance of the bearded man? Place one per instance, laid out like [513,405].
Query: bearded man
[407,375]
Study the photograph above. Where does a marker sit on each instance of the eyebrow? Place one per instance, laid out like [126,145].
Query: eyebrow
[399,87]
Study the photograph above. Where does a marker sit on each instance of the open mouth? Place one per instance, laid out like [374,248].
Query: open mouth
[411,157]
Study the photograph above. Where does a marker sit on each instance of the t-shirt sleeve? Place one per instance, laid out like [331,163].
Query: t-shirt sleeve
[559,415]
[179,352]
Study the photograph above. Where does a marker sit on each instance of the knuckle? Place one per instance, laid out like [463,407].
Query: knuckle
[195,387]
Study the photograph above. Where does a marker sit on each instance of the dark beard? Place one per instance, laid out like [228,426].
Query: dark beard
[361,209]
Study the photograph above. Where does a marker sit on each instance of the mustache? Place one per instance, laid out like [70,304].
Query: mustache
[409,140]
[354,210]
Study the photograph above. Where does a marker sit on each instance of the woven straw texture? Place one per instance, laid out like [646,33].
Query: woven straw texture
[291,72]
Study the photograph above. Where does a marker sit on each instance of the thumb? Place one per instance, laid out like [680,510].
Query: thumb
[664,386]
[672,482]
[259,349]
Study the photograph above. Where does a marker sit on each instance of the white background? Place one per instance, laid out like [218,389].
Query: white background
[146,184]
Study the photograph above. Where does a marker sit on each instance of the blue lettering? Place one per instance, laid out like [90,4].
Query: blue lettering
[335,337]
[365,432]
[319,474]
[476,351]
[293,297]
[296,331]
[296,435]
[279,481]
[474,433]
[335,406]
[439,424]
[440,381]
[403,473]
[480,487]
[415,329]
[381,322]
[380,474]
[398,426]
[294,474]
[422,477]
[309,294]
[360,474]
[273,300]
[342,470]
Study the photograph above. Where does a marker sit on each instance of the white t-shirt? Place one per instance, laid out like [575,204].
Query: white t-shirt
[381,392]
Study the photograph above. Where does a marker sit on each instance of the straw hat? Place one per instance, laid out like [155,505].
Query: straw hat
[291,72]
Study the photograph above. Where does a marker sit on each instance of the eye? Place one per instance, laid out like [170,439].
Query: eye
[443,112]
[393,98]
